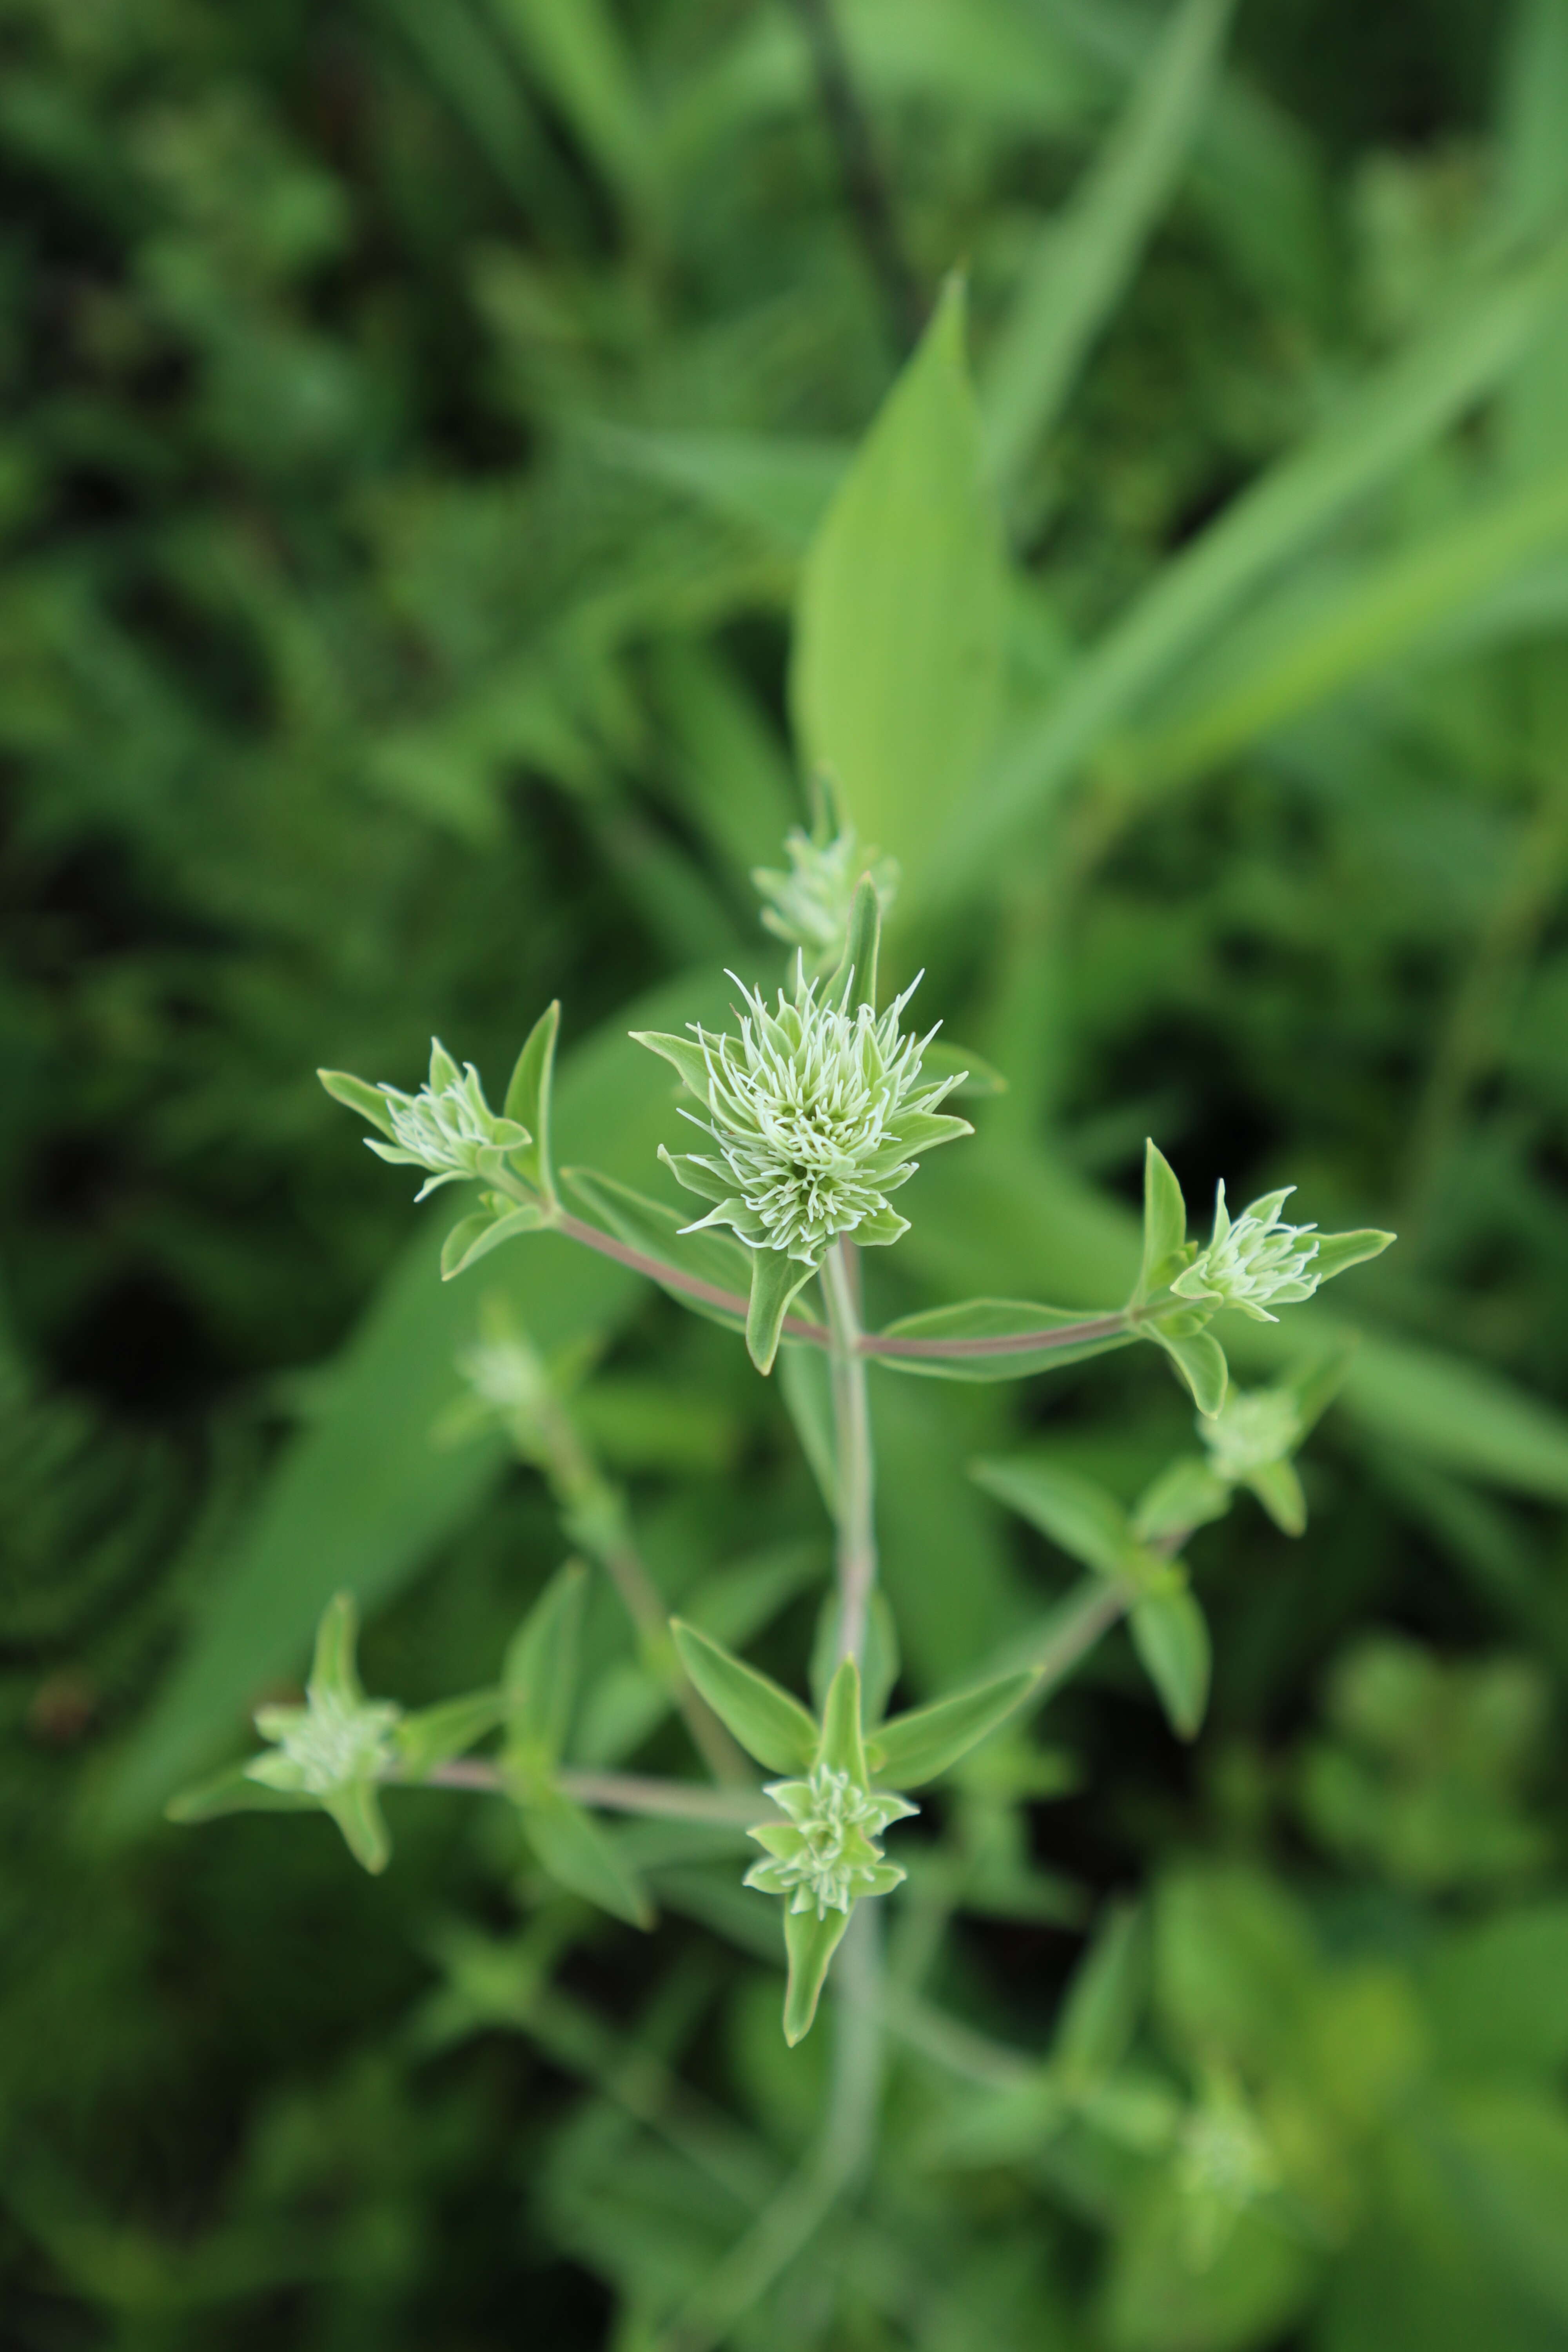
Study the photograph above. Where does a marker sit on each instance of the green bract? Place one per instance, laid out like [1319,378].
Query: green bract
[1254,1261]
[816,1110]
[325,1743]
[445,1128]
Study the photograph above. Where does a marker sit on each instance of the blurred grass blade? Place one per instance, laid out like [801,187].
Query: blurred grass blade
[1085,259]
[578,52]
[1375,430]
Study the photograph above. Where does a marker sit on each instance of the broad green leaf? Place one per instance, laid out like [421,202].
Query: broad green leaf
[474,1237]
[897,642]
[1172,1637]
[841,1744]
[368,1101]
[1200,1359]
[1165,1221]
[433,1734]
[528,1100]
[539,1678]
[1104,1999]
[356,1809]
[1375,430]
[999,1339]
[1078,1516]
[917,1747]
[769,1724]
[776,1279]
[1185,1495]
[712,1260]
[809,1944]
[1087,253]
[573,1849]
[232,1792]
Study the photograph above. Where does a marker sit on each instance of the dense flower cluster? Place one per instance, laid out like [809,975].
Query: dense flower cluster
[1255,1262]
[816,1112]
[825,1855]
[808,908]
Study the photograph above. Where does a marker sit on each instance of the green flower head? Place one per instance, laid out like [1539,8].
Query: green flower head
[1254,1263]
[815,1112]
[1253,1428]
[809,906]
[331,1741]
[825,1856]
[446,1125]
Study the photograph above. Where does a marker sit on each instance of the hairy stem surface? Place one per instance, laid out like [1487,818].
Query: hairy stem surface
[852,1435]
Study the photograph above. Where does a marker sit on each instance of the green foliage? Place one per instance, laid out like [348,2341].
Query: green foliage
[422,424]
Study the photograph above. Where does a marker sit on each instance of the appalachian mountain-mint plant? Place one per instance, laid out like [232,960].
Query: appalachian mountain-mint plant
[807,1114]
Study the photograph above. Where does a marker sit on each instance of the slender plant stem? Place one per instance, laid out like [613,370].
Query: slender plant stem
[852,1434]
[614,1792]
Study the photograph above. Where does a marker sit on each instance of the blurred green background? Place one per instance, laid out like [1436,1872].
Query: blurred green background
[416,415]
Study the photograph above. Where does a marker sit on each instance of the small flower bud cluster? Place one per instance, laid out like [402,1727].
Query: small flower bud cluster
[326,1744]
[808,908]
[446,1127]
[826,1856]
[1255,1262]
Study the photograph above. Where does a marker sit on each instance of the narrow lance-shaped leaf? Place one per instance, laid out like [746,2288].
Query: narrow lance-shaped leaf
[1165,1221]
[472,1238]
[528,1101]
[332,1669]
[1185,1495]
[1172,1638]
[855,982]
[355,1094]
[1100,2015]
[776,1279]
[841,1747]
[435,1733]
[233,1791]
[712,1260]
[769,1724]
[573,1849]
[1075,1513]
[1200,1359]
[356,1809]
[1277,1488]
[917,1747]
[995,1340]
[540,1675]
[809,1946]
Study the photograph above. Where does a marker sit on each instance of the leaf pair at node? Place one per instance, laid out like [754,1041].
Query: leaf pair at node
[823,1854]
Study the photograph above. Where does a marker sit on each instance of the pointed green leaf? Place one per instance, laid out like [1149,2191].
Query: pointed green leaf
[573,1849]
[1104,2000]
[775,1278]
[855,982]
[356,1095]
[879,1660]
[1078,1516]
[540,1675]
[1337,1251]
[920,1745]
[944,1059]
[994,1339]
[684,1055]
[841,1746]
[1164,1222]
[474,1237]
[1200,1359]
[356,1809]
[897,645]
[1315,1382]
[810,1944]
[769,1724]
[1184,1496]
[1279,1488]
[435,1733]
[1172,1637]
[528,1101]
[233,1791]
[332,1668]
[655,1230]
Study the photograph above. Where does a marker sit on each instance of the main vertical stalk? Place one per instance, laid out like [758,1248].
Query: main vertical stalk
[855,1468]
